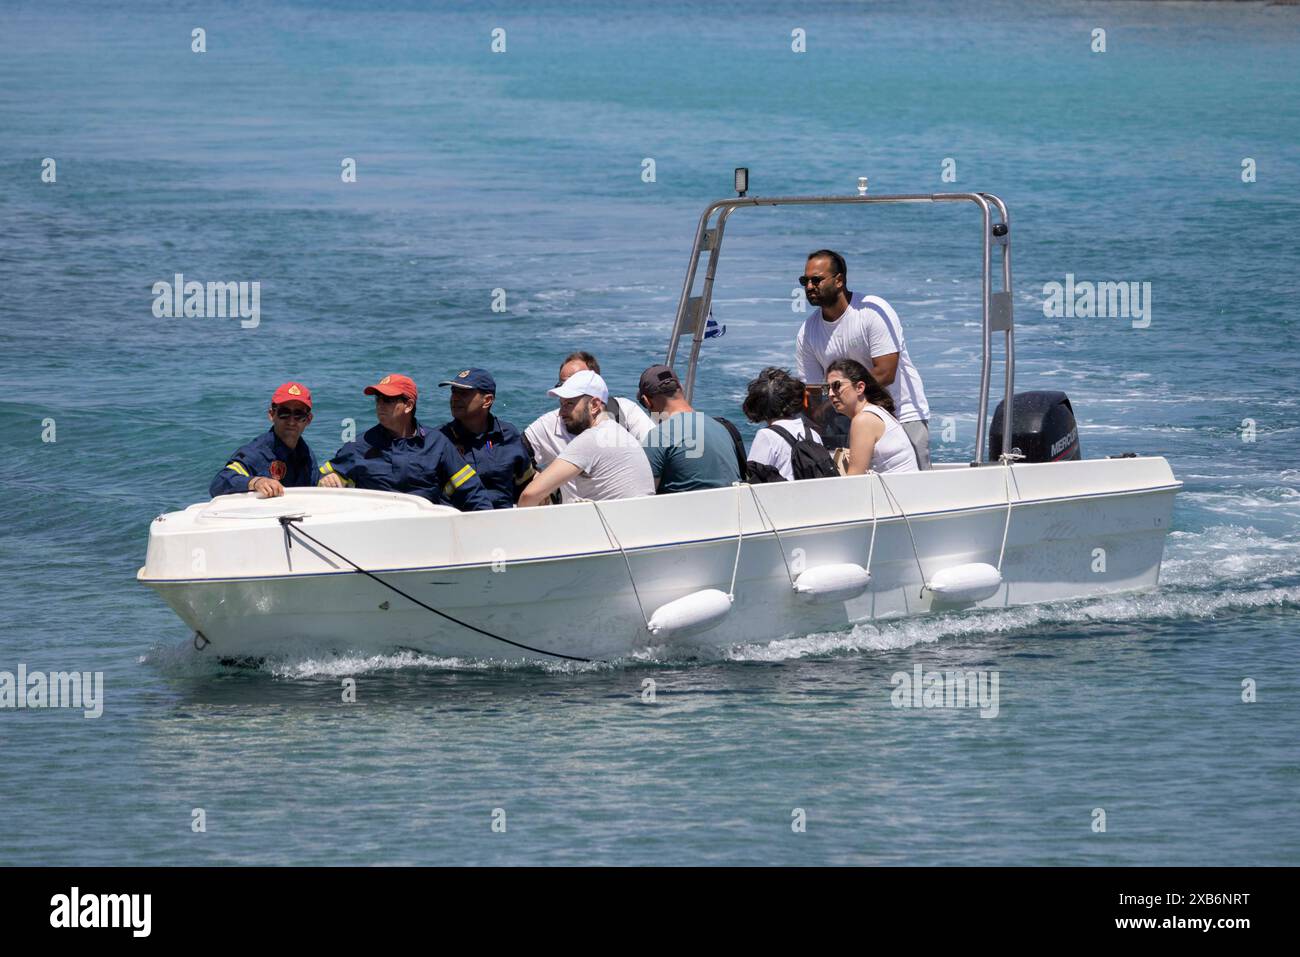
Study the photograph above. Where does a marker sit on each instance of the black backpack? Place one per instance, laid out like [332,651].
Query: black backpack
[756,473]
[808,459]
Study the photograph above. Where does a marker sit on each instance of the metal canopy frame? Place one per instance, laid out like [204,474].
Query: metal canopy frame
[693,310]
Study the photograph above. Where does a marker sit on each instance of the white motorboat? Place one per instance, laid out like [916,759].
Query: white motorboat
[361,571]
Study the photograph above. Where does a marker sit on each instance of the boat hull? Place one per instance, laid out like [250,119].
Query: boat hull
[559,580]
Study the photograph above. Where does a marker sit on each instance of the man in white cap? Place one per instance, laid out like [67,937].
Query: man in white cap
[603,460]
[546,437]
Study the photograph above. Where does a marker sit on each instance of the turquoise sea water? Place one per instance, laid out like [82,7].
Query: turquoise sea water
[522,171]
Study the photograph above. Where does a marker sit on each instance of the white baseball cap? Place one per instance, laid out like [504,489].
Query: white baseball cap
[585,382]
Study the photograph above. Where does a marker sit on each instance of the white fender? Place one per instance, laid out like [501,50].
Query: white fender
[963,584]
[691,614]
[830,583]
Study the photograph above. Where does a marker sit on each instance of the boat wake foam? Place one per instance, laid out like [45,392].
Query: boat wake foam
[346,666]
[1041,621]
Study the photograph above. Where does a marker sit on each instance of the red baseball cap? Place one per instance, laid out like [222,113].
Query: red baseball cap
[292,392]
[394,384]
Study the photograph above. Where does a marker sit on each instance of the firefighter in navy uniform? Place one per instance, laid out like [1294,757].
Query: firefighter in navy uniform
[277,459]
[495,448]
[401,455]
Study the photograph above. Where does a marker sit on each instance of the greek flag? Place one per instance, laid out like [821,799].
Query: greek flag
[711,328]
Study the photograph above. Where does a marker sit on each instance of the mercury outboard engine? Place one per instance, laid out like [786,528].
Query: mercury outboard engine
[1042,427]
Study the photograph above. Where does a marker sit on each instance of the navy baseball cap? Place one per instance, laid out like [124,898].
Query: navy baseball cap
[479,379]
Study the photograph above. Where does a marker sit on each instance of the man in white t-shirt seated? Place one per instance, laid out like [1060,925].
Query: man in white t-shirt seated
[848,325]
[776,398]
[547,436]
[603,460]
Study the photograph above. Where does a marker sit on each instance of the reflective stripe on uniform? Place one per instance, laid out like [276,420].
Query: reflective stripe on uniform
[461,477]
[328,469]
[527,476]
[236,467]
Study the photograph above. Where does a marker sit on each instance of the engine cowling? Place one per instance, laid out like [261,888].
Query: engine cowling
[1042,426]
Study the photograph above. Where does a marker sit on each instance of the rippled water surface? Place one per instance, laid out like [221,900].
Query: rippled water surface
[522,171]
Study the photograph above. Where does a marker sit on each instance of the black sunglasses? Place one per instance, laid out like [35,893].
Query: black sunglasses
[390,399]
[289,414]
[812,280]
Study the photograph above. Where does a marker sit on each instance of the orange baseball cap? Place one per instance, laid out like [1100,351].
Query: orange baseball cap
[394,385]
[292,392]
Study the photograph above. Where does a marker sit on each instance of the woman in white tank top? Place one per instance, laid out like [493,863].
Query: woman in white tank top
[876,441]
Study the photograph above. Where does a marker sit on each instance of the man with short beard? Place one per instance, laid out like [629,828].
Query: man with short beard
[603,460]
[847,325]
[547,436]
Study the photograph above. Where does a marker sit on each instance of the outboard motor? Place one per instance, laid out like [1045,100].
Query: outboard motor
[1043,428]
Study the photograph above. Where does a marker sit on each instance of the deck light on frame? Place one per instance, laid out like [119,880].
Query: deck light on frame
[862,186]
[742,180]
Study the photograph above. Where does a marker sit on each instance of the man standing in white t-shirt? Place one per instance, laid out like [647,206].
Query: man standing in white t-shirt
[547,436]
[603,460]
[847,325]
